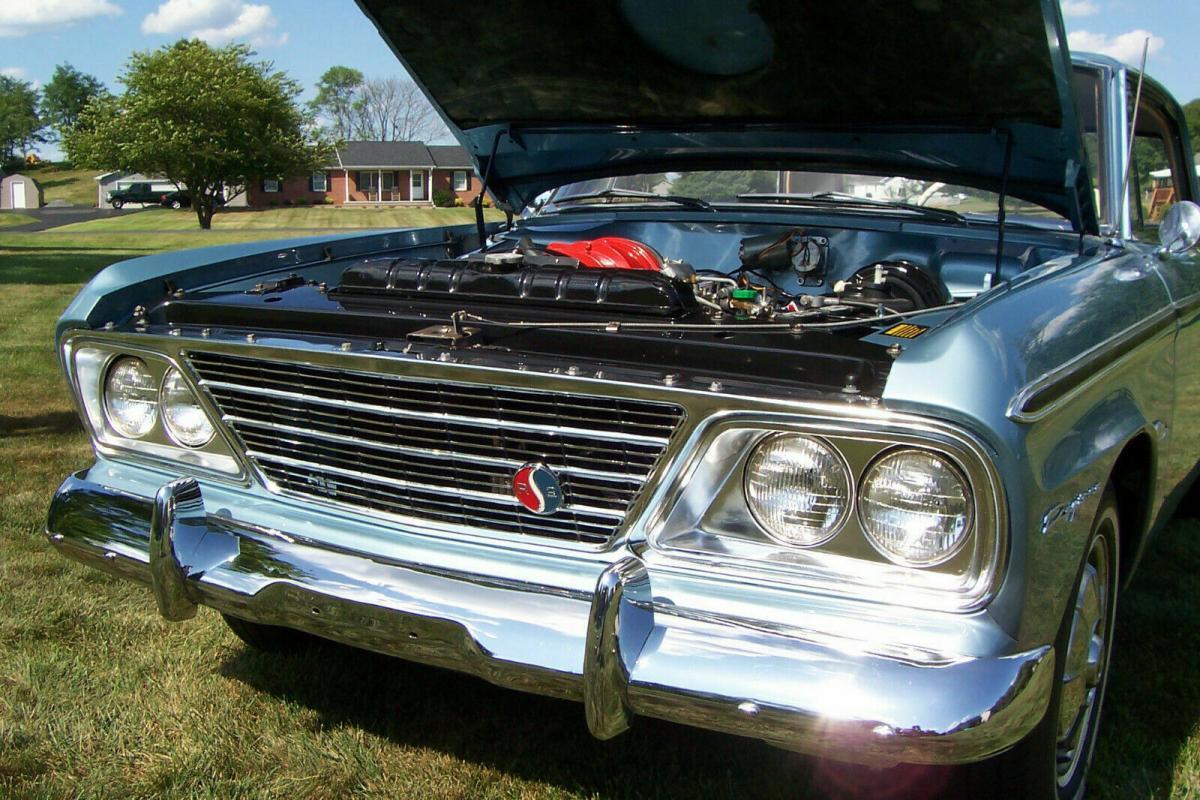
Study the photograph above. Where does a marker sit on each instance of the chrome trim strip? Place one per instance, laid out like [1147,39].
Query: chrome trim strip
[449,491]
[476,422]
[1046,394]
[448,455]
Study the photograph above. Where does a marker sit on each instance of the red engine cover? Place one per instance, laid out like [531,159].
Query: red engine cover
[609,252]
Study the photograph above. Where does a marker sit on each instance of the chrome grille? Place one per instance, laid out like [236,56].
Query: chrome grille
[437,450]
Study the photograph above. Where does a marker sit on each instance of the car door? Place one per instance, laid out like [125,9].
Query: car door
[1163,172]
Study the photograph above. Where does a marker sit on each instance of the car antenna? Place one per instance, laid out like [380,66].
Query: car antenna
[1137,102]
[1001,214]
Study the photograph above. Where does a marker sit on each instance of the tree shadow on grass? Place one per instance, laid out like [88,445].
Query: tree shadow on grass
[55,422]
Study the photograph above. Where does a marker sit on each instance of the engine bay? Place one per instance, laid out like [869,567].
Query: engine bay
[781,278]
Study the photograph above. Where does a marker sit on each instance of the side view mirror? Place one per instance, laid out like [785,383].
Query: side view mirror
[1180,229]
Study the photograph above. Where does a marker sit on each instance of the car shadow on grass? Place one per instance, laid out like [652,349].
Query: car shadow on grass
[1150,715]
[546,740]
[1152,708]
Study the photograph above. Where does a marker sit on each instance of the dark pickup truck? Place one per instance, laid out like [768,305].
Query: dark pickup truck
[145,192]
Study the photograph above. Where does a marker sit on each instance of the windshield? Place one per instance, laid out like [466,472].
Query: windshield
[764,186]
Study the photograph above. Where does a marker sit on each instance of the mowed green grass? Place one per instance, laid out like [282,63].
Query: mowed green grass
[10,219]
[100,698]
[64,182]
[306,218]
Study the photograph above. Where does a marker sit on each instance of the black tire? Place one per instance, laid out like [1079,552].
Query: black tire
[175,204]
[118,204]
[269,638]
[1043,766]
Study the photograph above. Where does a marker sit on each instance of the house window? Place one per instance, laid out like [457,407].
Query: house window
[460,180]
[319,182]
[270,185]
[369,181]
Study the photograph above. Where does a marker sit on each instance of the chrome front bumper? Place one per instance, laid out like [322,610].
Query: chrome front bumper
[620,650]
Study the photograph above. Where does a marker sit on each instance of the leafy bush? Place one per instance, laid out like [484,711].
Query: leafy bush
[301,201]
[458,202]
[443,198]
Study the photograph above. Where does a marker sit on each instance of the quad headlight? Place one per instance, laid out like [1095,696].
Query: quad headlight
[915,507]
[130,397]
[798,489]
[183,417]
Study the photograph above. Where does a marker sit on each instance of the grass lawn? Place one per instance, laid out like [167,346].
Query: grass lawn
[318,218]
[101,698]
[11,219]
[61,183]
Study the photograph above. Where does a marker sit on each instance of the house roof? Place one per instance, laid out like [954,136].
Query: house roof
[450,155]
[401,154]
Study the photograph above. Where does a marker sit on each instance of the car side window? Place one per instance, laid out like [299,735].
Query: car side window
[1157,177]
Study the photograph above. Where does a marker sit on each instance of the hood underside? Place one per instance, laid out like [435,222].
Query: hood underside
[944,89]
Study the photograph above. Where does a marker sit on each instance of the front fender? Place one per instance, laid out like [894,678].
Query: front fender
[1110,313]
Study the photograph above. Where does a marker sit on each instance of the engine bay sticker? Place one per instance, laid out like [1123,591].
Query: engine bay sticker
[906,330]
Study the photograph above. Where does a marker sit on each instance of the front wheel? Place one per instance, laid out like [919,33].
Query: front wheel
[118,204]
[175,204]
[1052,763]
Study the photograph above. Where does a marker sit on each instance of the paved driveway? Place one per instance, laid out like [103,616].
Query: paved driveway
[53,216]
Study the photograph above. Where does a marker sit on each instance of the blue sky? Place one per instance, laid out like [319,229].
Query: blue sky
[304,37]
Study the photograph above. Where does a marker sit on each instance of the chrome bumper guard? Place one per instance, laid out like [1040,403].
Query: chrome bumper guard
[617,650]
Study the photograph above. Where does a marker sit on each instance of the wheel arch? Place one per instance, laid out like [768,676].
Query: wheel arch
[1132,480]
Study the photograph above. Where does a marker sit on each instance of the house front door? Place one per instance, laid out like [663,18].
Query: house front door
[417,184]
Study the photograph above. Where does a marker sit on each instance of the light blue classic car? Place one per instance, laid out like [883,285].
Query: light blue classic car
[818,398]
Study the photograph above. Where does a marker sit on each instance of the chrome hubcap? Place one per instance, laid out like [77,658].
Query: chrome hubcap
[1086,658]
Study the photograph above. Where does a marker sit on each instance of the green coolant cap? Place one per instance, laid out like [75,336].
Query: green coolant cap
[745,294]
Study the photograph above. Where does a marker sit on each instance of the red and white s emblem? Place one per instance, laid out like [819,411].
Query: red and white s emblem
[537,488]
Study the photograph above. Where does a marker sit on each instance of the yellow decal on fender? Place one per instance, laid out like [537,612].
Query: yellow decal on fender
[905,330]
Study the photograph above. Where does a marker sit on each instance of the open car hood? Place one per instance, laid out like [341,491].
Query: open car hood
[952,90]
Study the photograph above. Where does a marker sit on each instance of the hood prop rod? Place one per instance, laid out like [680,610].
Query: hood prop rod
[483,187]
[1001,214]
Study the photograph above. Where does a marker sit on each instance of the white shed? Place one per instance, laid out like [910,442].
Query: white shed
[20,191]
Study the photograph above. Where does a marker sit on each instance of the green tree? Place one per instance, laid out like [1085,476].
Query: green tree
[20,125]
[1191,113]
[206,118]
[724,185]
[66,95]
[337,93]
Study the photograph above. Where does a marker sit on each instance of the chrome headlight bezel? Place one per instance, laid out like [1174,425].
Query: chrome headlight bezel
[696,512]
[88,358]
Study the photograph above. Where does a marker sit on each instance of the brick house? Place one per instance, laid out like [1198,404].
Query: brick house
[377,173]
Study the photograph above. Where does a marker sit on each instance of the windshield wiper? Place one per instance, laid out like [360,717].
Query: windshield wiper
[853,201]
[627,194]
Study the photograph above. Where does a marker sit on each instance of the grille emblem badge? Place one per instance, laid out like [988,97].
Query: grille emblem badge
[537,488]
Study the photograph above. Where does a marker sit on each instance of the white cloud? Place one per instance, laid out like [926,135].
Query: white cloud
[1079,8]
[1125,47]
[14,72]
[216,21]
[19,17]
